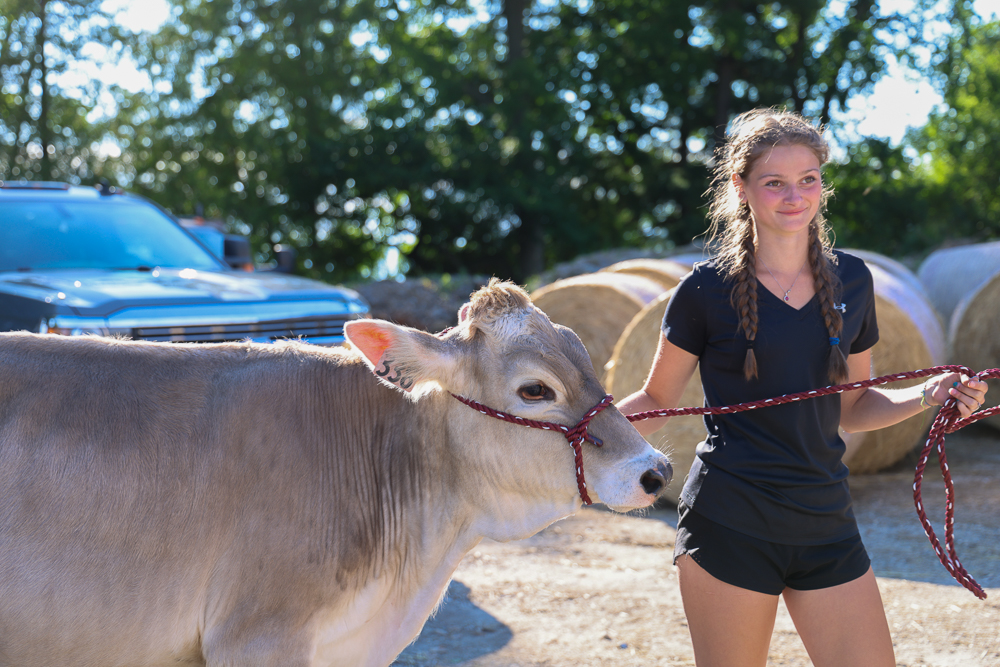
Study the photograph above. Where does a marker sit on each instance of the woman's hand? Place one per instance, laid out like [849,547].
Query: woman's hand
[969,393]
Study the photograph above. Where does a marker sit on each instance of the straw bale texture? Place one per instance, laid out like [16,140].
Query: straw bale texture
[664,271]
[949,275]
[597,306]
[975,336]
[909,296]
[897,270]
[910,338]
[689,258]
[627,371]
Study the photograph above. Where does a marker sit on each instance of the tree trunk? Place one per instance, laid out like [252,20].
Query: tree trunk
[44,131]
[532,233]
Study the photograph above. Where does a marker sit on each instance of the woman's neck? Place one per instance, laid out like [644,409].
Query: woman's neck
[783,254]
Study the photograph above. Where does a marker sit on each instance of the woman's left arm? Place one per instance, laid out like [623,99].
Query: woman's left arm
[877,407]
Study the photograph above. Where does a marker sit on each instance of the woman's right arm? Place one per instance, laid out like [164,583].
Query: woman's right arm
[672,369]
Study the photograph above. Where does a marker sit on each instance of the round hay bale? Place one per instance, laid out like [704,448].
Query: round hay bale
[597,306]
[689,258]
[974,337]
[910,338]
[910,297]
[896,269]
[950,274]
[627,371]
[664,271]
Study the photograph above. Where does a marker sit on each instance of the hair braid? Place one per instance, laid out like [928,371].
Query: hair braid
[744,297]
[828,287]
[732,232]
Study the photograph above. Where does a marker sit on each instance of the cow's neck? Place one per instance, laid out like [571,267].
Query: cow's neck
[388,614]
[436,514]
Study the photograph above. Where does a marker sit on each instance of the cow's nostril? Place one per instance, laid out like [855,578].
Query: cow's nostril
[655,480]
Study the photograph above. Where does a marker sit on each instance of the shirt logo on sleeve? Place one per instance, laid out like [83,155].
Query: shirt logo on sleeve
[842,307]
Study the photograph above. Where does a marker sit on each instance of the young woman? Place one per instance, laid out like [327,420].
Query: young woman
[765,510]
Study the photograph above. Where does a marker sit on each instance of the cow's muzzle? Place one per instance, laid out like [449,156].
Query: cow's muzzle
[655,480]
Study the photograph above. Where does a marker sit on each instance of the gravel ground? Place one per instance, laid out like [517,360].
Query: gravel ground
[599,588]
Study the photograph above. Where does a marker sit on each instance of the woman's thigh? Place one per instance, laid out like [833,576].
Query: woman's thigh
[844,624]
[730,626]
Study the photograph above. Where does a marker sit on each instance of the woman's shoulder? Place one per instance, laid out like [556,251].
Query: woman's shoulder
[851,266]
[706,271]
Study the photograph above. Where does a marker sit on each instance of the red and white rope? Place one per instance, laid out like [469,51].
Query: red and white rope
[946,422]
[575,435]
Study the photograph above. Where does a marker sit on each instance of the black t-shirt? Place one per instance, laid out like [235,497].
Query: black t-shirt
[774,473]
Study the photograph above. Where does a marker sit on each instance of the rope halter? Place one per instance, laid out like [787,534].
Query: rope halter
[575,435]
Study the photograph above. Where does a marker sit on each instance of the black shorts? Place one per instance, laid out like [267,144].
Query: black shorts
[762,566]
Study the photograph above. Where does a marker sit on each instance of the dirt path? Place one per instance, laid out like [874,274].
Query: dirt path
[599,588]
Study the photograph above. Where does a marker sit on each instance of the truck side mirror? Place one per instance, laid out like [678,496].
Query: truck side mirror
[236,252]
[285,256]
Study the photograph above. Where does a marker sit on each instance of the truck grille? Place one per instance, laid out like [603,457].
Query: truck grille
[305,328]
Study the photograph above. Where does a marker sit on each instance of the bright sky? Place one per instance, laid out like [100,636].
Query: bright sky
[897,102]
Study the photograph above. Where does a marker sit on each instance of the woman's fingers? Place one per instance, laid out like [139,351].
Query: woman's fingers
[969,393]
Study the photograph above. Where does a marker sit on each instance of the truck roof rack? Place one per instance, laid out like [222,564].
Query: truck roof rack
[34,185]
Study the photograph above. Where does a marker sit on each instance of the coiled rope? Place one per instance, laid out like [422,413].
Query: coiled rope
[946,421]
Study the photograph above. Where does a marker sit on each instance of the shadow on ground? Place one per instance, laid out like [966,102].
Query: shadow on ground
[599,589]
[460,631]
[883,504]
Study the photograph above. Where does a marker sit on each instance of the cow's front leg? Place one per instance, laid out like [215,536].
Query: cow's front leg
[271,643]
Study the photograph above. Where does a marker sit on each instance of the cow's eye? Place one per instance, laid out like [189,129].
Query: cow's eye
[536,392]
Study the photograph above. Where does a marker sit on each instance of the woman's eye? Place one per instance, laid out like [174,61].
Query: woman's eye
[535,392]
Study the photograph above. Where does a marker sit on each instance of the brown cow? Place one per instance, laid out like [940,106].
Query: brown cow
[249,504]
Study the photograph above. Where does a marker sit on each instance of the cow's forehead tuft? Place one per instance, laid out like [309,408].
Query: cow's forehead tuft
[496,299]
[504,312]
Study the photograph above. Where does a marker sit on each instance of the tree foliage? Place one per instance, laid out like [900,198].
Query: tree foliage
[489,137]
[880,200]
[961,173]
[48,128]
[498,137]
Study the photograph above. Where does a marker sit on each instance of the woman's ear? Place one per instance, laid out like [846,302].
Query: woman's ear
[738,184]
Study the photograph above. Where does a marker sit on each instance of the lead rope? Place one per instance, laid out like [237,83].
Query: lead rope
[575,435]
[946,421]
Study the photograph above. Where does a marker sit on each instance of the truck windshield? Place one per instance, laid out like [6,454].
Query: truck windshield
[102,234]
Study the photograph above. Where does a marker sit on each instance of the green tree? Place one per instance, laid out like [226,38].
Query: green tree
[491,137]
[880,200]
[47,125]
[962,173]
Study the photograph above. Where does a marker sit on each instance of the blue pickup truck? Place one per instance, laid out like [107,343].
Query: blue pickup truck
[80,260]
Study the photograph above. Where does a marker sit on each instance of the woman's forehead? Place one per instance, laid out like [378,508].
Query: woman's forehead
[785,160]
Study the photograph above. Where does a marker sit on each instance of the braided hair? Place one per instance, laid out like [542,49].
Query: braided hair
[733,232]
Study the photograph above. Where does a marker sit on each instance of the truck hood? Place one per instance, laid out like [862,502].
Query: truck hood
[102,293]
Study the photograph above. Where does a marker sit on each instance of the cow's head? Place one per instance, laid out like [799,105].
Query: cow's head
[507,354]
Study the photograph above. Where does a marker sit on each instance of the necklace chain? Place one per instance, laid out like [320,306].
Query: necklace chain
[776,280]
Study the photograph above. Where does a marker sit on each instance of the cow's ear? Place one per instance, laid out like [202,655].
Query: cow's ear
[400,356]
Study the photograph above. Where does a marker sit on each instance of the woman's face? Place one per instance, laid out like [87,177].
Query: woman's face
[783,189]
